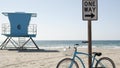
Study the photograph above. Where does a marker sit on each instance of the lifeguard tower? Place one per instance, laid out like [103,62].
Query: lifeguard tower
[20,28]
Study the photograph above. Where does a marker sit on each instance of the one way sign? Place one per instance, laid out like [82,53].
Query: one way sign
[90,9]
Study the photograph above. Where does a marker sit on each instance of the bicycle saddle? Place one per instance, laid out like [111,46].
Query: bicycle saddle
[97,53]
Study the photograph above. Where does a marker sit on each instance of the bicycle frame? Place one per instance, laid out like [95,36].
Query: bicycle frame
[75,56]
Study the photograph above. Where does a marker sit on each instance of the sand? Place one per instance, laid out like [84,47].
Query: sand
[47,58]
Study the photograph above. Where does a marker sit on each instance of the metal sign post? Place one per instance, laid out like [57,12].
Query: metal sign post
[89,13]
[89,43]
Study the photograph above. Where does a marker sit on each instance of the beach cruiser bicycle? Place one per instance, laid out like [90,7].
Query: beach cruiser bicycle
[103,62]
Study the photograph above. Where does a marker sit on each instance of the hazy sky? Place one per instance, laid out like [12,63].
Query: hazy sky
[62,19]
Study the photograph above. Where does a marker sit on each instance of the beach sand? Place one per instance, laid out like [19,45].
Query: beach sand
[47,58]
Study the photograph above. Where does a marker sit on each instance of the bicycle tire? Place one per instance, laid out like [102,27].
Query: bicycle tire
[102,63]
[64,63]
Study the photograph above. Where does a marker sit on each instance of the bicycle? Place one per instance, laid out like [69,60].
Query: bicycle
[71,62]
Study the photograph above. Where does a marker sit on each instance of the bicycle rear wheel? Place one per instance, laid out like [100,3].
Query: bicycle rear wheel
[65,63]
[105,62]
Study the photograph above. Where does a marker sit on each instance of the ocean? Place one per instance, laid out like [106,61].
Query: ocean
[70,43]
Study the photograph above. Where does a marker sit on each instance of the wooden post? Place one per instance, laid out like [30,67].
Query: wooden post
[89,44]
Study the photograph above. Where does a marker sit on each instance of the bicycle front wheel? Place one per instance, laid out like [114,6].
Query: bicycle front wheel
[66,63]
[105,62]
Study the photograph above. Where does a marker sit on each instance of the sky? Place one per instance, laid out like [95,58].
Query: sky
[62,19]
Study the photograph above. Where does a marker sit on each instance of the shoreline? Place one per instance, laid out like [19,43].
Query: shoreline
[47,58]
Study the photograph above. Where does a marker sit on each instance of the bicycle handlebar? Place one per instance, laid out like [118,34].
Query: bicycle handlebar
[84,41]
[76,45]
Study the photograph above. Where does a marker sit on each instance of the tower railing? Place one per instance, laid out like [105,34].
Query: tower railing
[32,29]
[5,29]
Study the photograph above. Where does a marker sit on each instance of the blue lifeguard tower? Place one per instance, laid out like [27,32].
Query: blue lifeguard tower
[19,27]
